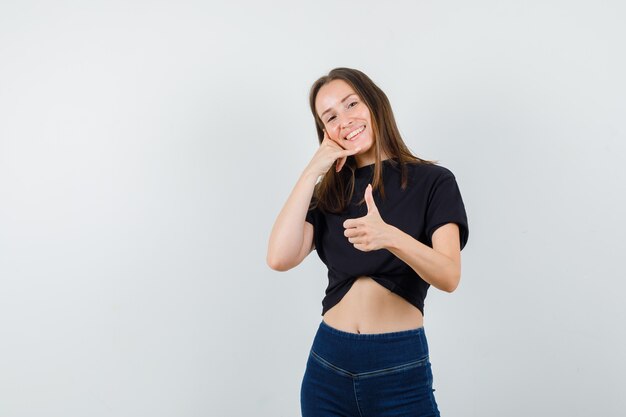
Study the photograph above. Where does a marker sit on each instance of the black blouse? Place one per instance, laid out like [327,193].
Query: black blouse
[431,199]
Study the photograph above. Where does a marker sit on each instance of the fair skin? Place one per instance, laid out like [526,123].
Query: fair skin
[373,308]
[368,307]
[343,112]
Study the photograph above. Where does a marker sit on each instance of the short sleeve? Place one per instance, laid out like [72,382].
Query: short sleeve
[446,206]
[312,216]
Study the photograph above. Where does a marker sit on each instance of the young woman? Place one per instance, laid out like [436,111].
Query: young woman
[388,225]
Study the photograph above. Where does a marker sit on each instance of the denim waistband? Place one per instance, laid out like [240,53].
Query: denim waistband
[358,352]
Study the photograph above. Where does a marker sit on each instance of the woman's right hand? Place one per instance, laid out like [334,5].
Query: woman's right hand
[329,152]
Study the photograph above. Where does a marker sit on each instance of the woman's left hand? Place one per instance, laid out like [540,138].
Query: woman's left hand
[369,232]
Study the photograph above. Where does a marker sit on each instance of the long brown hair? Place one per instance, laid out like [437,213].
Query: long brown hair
[334,192]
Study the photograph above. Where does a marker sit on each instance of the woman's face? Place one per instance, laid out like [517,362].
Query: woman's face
[344,114]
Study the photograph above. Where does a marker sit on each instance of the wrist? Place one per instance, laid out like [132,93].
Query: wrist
[310,170]
[392,237]
[310,175]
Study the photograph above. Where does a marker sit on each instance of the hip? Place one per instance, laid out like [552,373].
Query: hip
[385,374]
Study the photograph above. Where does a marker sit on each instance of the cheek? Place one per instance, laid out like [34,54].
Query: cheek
[334,134]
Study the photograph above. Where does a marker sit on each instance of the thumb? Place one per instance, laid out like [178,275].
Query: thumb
[369,200]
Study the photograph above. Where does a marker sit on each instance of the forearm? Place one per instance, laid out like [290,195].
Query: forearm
[286,237]
[435,268]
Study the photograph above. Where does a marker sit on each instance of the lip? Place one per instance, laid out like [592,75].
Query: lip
[349,140]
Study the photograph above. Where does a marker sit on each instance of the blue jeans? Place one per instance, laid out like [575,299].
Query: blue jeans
[368,375]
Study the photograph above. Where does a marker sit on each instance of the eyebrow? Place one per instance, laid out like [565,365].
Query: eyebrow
[344,99]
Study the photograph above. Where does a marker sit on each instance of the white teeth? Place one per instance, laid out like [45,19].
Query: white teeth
[354,133]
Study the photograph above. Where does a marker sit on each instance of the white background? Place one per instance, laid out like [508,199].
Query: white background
[146,149]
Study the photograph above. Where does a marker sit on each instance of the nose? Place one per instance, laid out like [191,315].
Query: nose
[346,124]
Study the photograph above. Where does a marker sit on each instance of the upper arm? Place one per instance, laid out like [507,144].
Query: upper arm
[305,249]
[447,242]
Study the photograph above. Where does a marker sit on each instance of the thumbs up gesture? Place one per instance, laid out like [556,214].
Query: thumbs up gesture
[369,232]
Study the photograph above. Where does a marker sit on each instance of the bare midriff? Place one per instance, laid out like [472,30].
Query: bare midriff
[368,307]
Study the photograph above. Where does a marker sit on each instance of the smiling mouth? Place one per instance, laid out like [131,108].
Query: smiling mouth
[355,133]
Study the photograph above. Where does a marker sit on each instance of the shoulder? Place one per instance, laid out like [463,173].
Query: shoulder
[429,172]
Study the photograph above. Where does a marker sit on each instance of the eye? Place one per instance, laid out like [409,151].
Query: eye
[349,106]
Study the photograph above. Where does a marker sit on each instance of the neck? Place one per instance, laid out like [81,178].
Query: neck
[364,160]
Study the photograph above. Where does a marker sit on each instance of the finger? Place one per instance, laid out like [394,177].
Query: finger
[352,233]
[340,163]
[326,137]
[333,142]
[369,200]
